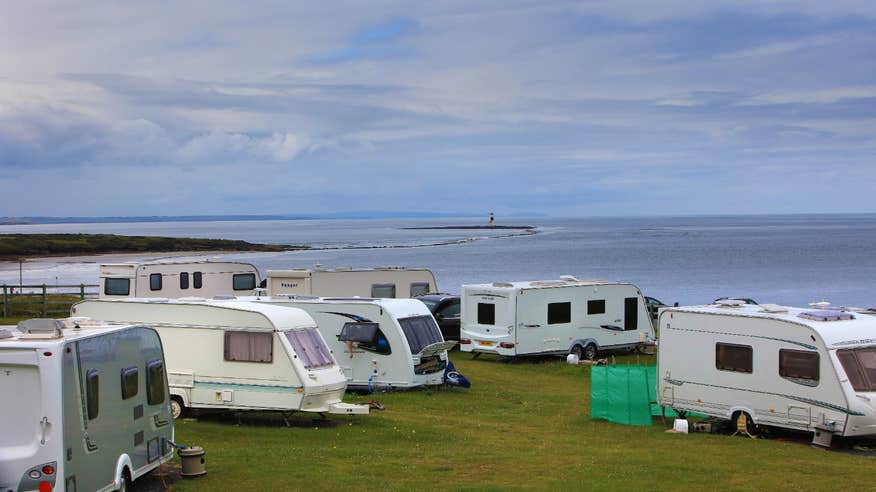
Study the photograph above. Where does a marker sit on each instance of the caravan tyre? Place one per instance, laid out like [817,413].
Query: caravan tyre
[578,351]
[176,408]
[590,352]
[126,481]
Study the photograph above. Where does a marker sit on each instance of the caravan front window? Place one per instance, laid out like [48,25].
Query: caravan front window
[421,331]
[117,286]
[367,334]
[860,366]
[309,347]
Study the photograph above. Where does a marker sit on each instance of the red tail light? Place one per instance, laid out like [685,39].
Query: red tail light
[45,487]
[48,470]
[506,345]
[464,341]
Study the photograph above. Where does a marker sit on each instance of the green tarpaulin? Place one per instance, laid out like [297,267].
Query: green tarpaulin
[625,394]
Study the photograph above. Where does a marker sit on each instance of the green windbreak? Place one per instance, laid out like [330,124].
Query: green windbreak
[625,394]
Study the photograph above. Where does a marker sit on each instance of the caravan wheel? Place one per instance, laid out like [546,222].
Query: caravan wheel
[126,481]
[590,352]
[176,407]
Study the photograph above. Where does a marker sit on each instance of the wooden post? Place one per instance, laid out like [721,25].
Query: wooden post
[45,307]
[81,292]
[5,300]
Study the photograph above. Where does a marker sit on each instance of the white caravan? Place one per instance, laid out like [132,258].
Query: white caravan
[806,369]
[85,405]
[176,279]
[385,282]
[379,343]
[553,317]
[233,355]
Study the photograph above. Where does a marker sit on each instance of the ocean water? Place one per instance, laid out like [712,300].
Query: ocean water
[793,259]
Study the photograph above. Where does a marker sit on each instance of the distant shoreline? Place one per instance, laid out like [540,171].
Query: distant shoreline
[22,246]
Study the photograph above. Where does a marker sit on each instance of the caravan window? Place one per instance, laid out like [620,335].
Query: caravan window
[383,291]
[197,280]
[309,347]
[155,382]
[419,288]
[559,312]
[860,366]
[367,335]
[486,314]
[92,393]
[596,306]
[154,281]
[184,280]
[800,366]
[732,357]
[243,281]
[130,382]
[420,331]
[117,286]
[249,346]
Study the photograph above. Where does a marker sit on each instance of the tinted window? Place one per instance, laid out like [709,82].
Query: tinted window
[155,281]
[419,288]
[735,358]
[310,348]
[367,335]
[197,280]
[383,290]
[155,382]
[184,280]
[130,382]
[486,314]
[243,281]
[450,311]
[117,286]
[559,312]
[799,365]
[596,306]
[92,393]
[246,346]
[420,331]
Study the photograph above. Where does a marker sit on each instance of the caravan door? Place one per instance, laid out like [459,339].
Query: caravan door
[543,320]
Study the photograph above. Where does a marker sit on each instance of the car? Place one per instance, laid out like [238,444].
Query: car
[445,309]
[653,306]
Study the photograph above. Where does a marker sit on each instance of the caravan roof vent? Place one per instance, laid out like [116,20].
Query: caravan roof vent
[730,303]
[224,297]
[41,328]
[773,308]
[502,284]
[826,315]
[5,333]
[569,278]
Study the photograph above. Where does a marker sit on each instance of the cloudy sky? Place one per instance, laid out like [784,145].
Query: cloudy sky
[579,108]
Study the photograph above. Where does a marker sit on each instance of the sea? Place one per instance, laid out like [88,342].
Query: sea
[784,259]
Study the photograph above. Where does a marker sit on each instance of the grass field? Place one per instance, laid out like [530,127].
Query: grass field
[522,425]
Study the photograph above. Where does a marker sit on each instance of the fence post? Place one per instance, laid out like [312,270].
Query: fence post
[81,292]
[45,306]
[5,311]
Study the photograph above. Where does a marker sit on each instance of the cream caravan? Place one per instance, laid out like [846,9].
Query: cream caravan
[806,369]
[174,279]
[86,405]
[553,317]
[385,282]
[233,355]
[379,343]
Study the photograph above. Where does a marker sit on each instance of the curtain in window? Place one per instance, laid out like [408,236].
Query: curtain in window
[247,346]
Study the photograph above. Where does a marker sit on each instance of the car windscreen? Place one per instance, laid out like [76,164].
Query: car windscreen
[421,331]
[309,347]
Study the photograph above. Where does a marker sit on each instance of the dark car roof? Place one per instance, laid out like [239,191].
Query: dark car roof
[438,297]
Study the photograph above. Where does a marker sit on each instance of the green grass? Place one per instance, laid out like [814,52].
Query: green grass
[522,425]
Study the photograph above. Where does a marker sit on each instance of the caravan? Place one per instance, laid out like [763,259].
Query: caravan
[553,317]
[383,282]
[233,355]
[811,370]
[379,343]
[85,405]
[176,279]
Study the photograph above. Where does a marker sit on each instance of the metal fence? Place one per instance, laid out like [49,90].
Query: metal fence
[44,300]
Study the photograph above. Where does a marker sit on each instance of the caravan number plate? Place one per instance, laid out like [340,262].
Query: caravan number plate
[486,344]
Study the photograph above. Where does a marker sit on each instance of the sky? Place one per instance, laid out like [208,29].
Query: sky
[591,108]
